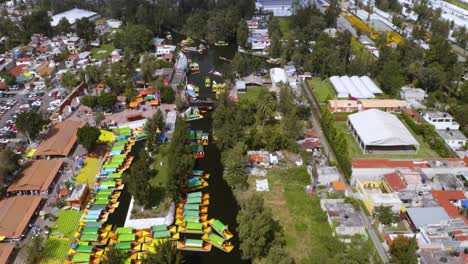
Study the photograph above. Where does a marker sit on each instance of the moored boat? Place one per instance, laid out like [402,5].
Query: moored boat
[221,228]
[207,82]
[218,242]
[194,245]
[221,43]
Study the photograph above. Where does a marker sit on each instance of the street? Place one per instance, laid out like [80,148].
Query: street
[327,151]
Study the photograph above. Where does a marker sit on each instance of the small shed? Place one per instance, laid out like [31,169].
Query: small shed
[240,86]
[78,197]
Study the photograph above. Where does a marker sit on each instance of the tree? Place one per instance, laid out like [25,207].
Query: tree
[195,25]
[238,64]
[234,174]
[242,33]
[167,94]
[154,128]
[166,252]
[391,77]
[63,26]
[85,29]
[136,38]
[403,250]
[9,78]
[35,249]
[461,37]
[89,101]
[115,256]
[68,80]
[30,123]
[9,163]
[88,136]
[332,13]
[266,106]
[385,215]
[138,178]
[38,22]
[277,253]
[106,100]
[148,66]
[256,229]
[99,118]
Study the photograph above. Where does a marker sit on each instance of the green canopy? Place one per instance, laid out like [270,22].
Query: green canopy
[102,196]
[84,249]
[191,213]
[158,228]
[219,226]
[90,219]
[114,148]
[199,134]
[194,200]
[162,234]
[192,135]
[123,245]
[192,207]
[115,175]
[124,230]
[194,243]
[81,257]
[191,184]
[200,148]
[216,239]
[90,230]
[194,226]
[108,183]
[101,202]
[126,237]
[108,192]
[89,237]
[195,194]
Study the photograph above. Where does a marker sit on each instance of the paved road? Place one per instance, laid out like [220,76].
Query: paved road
[327,151]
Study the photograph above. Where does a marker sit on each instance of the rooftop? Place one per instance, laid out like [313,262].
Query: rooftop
[437,114]
[423,216]
[394,181]
[415,163]
[72,15]
[60,139]
[5,252]
[445,199]
[451,134]
[36,175]
[15,213]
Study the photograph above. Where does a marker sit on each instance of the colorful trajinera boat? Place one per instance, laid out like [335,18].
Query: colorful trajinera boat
[218,242]
[194,245]
[221,228]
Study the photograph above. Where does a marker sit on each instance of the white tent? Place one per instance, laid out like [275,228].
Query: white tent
[353,91]
[380,129]
[340,89]
[373,88]
[362,87]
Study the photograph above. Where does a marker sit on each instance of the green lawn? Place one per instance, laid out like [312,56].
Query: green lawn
[102,52]
[356,152]
[161,164]
[284,26]
[252,93]
[56,248]
[305,224]
[322,89]
[67,223]
[458,3]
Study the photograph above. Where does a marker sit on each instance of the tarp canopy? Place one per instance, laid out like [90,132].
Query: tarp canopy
[60,139]
[36,175]
[216,239]
[84,249]
[162,234]
[126,237]
[378,128]
[89,237]
[194,200]
[124,245]
[81,257]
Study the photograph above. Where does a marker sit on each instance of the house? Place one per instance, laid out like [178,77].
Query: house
[346,106]
[310,145]
[454,138]
[260,42]
[414,96]
[240,86]
[394,182]
[338,187]
[258,158]
[74,44]
[73,15]
[326,175]
[440,120]
[164,49]
[278,77]
[387,105]
[279,8]
[7,64]
[343,216]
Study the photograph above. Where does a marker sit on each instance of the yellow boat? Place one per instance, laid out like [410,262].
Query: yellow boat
[218,242]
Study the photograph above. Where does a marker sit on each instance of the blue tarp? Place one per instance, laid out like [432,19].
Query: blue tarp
[464,203]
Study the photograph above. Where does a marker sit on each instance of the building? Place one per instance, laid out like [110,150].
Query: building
[454,138]
[280,8]
[73,15]
[326,175]
[240,86]
[440,120]
[60,140]
[260,42]
[425,216]
[36,176]
[6,250]
[77,199]
[278,77]
[164,49]
[343,216]
[394,181]
[393,136]
[417,94]
[342,106]
[16,213]
[355,87]
[347,106]
[74,44]
[375,194]
[451,202]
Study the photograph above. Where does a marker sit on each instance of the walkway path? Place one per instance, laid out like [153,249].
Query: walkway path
[314,118]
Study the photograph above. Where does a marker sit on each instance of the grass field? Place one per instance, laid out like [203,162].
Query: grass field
[356,152]
[284,26]
[251,94]
[322,89]
[56,248]
[458,3]
[89,171]
[67,223]
[102,52]
[305,224]
[161,164]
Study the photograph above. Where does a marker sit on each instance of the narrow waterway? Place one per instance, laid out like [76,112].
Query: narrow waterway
[223,205]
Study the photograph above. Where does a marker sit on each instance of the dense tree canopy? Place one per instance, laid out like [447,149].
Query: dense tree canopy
[31,123]
[87,136]
[86,29]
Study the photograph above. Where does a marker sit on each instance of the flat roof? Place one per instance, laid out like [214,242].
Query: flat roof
[60,139]
[391,132]
[451,134]
[427,215]
[408,163]
[72,15]
[5,252]
[15,213]
[36,175]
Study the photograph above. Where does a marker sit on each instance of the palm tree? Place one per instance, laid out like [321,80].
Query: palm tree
[266,106]
[234,174]
[115,256]
[166,252]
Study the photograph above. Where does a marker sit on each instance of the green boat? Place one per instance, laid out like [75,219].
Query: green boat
[123,245]
[199,134]
[192,228]
[84,249]
[89,237]
[192,206]
[124,230]
[218,242]
[90,230]
[81,258]
[162,234]
[207,82]
[159,228]
[126,237]
[221,43]
[196,89]
[192,135]
[194,200]
[196,173]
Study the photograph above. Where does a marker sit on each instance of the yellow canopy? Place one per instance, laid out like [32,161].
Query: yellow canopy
[106,136]
[133,104]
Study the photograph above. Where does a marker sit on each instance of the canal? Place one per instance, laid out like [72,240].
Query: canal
[223,205]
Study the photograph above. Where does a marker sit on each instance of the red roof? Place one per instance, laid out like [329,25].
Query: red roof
[3,85]
[147,91]
[255,158]
[389,163]
[309,144]
[18,70]
[168,56]
[394,181]
[338,186]
[73,57]
[311,133]
[445,198]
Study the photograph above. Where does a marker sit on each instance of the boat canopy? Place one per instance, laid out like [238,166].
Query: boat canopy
[191,218]
[192,207]
[90,230]
[216,239]
[93,224]
[158,228]
[124,245]
[194,243]
[197,173]
[162,234]
[84,249]
[194,226]
[195,194]
[81,258]
[124,230]
[89,237]
[126,237]
[218,225]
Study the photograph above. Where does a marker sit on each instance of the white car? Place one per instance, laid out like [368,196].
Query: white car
[51,108]
[4,141]
[37,103]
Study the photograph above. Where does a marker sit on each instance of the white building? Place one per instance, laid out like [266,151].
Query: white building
[164,49]
[74,44]
[454,138]
[343,216]
[279,8]
[278,76]
[73,15]
[407,92]
[440,120]
[260,42]
[326,175]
